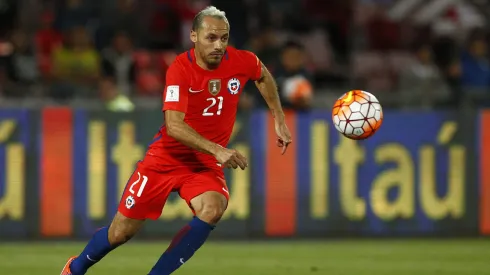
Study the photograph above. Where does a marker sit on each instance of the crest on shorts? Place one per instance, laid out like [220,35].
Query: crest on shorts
[214,86]
[130,202]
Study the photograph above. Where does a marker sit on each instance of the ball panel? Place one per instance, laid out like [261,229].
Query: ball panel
[342,125]
[376,106]
[361,99]
[358,132]
[371,111]
[371,97]
[355,106]
[347,98]
[348,129]
[371,122]
[356,116]
[364,109]
[365,96]
[357,123]
[341,115]
[346,111]
[378,124]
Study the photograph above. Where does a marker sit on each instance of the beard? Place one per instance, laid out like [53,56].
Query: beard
[213,61]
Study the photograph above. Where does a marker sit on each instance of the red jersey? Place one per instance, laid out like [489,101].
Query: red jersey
[209,100]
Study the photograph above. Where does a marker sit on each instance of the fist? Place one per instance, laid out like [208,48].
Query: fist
[231,158]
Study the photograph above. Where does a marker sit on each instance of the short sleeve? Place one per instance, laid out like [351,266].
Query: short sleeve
[253,66]
[176,85]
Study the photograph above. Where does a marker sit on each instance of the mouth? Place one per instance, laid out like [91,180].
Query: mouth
[216,54]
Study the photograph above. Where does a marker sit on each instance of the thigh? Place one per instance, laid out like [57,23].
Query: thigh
[145,194]
[202,182]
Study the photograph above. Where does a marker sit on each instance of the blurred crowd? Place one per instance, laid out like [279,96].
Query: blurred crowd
[426,54]
[413,53]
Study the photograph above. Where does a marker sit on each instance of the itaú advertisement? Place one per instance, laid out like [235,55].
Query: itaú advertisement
[419,175]
[416,176]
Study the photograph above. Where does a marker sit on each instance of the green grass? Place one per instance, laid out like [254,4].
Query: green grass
[376,257]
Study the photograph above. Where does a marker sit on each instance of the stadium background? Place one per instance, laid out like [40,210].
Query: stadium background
[80,97]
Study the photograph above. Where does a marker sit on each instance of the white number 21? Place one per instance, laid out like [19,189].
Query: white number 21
[142,186]
[213,100]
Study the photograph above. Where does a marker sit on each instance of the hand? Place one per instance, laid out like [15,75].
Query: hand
[231,158]
[283,135]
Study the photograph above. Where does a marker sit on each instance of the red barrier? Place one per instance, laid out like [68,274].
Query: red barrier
[485,173]
[56,185]
[280,203]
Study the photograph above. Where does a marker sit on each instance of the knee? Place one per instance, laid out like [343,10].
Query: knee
[211,212]
[209,206]
[118,236]
[122,229]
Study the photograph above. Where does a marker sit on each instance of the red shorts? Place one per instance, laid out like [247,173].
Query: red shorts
[147,190]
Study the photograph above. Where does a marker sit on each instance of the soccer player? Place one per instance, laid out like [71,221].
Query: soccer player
[189,152]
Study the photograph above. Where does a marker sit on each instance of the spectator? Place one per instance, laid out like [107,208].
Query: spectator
[446,51]
[264,44]
[119,64]
[293,79]
[47,40]
[474,63]
[20,66]
[421,84]
[76,67]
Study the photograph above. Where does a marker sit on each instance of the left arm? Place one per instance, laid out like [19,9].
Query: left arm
[268,89]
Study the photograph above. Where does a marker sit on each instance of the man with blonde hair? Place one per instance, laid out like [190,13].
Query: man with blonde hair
[189,152]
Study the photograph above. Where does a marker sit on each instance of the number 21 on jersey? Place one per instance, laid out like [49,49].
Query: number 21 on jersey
[211,109]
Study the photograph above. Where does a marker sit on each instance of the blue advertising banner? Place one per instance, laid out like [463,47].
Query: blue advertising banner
[410,178]
[416,176]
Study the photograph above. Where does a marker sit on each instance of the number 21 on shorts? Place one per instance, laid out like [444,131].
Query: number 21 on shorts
[142,185]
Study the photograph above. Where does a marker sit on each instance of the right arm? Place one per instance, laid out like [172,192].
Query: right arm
[175,107]
[183,133]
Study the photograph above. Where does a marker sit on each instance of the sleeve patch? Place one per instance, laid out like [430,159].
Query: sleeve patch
[172,94]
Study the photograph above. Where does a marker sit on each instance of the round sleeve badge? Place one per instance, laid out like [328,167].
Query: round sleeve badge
[233,86]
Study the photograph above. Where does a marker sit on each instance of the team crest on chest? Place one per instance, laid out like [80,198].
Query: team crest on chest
[233,86]
[214,86]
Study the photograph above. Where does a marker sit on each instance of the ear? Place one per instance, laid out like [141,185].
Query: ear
[193,36]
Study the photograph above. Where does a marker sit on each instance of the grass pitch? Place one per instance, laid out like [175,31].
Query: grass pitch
[349,257]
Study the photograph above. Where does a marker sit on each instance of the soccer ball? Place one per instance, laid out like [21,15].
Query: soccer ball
[357,114]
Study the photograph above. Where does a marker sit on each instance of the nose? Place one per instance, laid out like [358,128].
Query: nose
[218,46]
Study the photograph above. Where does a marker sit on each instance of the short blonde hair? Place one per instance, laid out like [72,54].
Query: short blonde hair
[210,11]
